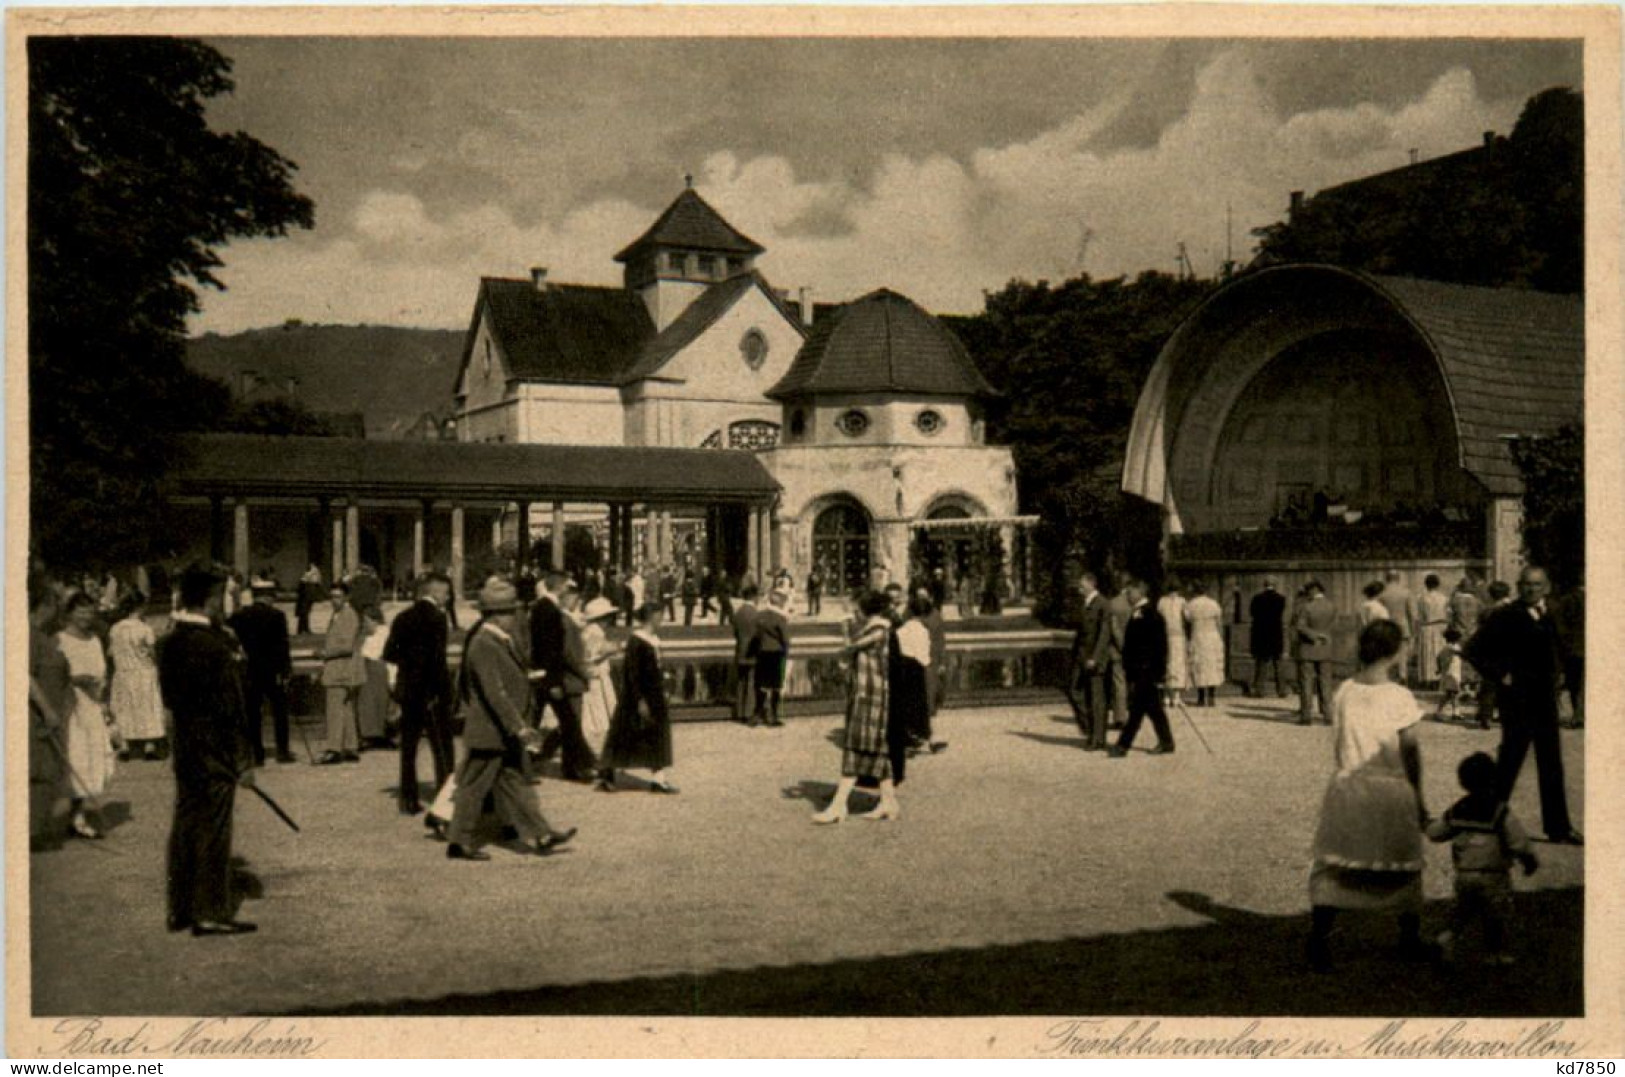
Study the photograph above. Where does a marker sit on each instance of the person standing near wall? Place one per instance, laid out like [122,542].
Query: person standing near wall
[1312,629]
[1267,636]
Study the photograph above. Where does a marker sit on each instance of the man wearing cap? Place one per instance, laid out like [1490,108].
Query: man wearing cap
[1312,627]
[263,631]
[1267,636]
[494,697]
[201,684]
[417,648]
[558,666]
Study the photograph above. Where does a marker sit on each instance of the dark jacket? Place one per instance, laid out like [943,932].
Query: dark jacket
[200,679]
[417,648]
[772,632]
[640,731]
[744,625]
[1145,646]
[1313,625]
[1094,639]
[1266,611]
[547,641]
[263,632]
[1521,653]
[494,694]
[575,673]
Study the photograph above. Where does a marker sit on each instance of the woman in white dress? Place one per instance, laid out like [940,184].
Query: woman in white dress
[1204,616]
[1372,609]
[137,708]
[598,702]
[1172,607]
[90,736]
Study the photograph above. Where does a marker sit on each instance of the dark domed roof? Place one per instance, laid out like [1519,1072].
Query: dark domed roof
[882,343]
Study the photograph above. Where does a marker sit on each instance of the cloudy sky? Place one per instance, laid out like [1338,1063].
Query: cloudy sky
[938,168]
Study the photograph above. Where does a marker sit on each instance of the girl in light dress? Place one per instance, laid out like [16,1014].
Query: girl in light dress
[1172,607]
[136,706]
[598,702]
[1203,615]
[1368,846]
[91,738]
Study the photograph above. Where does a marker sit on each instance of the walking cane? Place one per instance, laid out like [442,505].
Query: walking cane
[1180,703]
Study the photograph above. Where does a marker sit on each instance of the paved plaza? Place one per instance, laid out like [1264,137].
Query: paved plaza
[1025,876]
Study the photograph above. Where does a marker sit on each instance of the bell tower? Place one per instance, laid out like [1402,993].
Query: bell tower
[688,248]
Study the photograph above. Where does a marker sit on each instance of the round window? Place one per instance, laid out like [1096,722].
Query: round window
[753,346]
[852,423]
[929,422]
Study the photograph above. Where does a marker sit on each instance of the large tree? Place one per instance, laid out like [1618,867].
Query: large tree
[130,194]
[1510,214]
[1071,359]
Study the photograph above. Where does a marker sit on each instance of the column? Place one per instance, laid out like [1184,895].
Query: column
[775,543]
[557,560]
[668,548]
[338,546]
[352,535]
[626,537]
[217,529]
[239,536]
[457,552]
[521,542]
[753,552]
[420,528]
[651,538]
[496,528]
[1505,539]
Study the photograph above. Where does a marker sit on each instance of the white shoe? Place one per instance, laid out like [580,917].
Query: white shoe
[828,815]
[881,814]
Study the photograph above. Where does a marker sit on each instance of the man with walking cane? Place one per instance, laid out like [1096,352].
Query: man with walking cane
[201,684]
[1145,665]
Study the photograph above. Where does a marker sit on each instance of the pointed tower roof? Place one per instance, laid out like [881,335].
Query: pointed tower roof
[882,343]
[690,222]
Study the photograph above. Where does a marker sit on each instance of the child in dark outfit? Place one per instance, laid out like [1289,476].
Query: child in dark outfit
[1485,840]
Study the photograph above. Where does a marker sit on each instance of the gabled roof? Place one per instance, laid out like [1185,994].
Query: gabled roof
[570,333]
[883,342]
[699,316]
[691,223]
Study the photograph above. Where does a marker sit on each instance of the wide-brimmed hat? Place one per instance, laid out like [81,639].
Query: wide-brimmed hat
[598,607]
[497,596]
[259,583]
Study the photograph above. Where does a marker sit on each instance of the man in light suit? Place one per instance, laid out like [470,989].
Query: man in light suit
[1312,628]
[343,674]
[1091,649]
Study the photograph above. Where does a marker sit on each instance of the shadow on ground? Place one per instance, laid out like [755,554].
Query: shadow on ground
[1240,963]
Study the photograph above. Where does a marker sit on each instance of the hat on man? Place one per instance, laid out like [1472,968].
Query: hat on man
[498,596]
[260,584]
[597,608]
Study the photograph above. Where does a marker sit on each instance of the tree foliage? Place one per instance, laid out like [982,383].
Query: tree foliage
[1508,214]
[1554,503]
[1070,360]
[130,193]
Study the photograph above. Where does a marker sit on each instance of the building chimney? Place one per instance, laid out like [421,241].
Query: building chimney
[1296,206]
[538,277]
[806,299]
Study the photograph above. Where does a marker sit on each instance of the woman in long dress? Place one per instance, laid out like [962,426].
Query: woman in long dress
[137,708]
[1368,846]
[1172,607]
[1432,617]
[864,751]
[90,739]
[640,731]
[1204,617]
[598,702]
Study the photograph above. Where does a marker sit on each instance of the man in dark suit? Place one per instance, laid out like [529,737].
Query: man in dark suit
[417,648]
[1145,665]
[1267,637]
[1312,628]
[201,684]
[1517,650]
[263,631]
[1117,614]
[550,667]
[1090,657]
[744,625]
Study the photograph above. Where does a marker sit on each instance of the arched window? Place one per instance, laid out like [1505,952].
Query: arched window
[841,545]
[753,434]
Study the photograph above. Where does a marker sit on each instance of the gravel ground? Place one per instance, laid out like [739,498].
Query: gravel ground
[1023,876]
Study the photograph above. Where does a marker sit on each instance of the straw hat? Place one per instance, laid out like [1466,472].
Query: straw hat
[497,596]
[597,608]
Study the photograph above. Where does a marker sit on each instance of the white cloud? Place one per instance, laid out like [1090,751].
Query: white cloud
[938,229]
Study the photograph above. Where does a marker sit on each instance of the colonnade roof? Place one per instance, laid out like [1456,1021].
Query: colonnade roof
[243,465]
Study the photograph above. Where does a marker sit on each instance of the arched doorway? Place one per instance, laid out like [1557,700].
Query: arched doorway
[946,547]
[841,545]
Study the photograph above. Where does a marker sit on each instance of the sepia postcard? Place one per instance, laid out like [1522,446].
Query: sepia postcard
[814,531]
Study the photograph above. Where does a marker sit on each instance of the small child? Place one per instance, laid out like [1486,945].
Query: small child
[1485,840]
[1449,676]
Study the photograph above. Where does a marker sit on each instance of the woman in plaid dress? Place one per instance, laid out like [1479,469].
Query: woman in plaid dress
[864,746]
